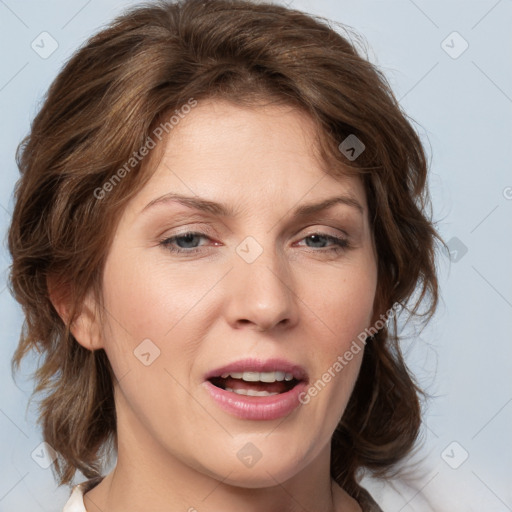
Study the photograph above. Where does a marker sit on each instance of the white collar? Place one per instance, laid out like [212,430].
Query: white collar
[75,502]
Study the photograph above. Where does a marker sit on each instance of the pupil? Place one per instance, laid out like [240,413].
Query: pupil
[315,238]
[188,238]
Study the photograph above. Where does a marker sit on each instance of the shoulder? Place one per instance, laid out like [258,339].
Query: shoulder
[359,499]
[367,503]
[75,502]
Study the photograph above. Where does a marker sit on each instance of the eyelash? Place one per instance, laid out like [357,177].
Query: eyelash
[340,244]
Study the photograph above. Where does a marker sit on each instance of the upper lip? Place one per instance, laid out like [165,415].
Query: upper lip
[260,365]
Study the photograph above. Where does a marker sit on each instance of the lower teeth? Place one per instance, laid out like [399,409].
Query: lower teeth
[251,392]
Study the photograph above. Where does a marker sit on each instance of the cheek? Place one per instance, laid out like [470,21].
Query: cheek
[141,298]
[340,316]
[137,314]
[146,300]
[344,304]
[145,339]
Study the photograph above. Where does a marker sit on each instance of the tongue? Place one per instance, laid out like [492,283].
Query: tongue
[271,387]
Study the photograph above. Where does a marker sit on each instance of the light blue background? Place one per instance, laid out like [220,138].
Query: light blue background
[463,107]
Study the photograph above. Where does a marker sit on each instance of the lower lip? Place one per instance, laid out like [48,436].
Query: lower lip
[256,407]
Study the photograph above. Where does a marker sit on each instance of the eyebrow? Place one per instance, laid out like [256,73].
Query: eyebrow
[223,210]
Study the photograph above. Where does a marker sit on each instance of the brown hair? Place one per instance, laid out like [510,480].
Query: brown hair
[100,111]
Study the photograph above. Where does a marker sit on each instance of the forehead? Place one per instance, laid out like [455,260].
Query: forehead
[263,156]
[257,134]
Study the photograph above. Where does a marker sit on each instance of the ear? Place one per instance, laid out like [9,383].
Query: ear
[85,327]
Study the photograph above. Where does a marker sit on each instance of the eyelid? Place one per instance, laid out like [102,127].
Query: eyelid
[199,228]
[338,244]
[326,230]
[205,229]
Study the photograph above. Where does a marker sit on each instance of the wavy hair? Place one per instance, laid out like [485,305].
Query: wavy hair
[100,110]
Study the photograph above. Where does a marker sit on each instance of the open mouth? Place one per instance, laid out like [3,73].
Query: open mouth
[256,383]
[257,390]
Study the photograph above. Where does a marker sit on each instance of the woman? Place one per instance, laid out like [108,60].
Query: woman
[221,212]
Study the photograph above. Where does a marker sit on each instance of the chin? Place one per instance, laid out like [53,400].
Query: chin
[259,478]
[251,468]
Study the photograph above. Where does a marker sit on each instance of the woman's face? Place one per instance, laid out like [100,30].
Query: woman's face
[266,283]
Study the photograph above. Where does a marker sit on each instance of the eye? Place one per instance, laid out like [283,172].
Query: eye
[189,242]
[340,244]
[186,242]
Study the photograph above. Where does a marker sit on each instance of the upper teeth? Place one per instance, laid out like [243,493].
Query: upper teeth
[259,376]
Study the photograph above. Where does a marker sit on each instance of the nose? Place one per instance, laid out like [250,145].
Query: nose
[261,293]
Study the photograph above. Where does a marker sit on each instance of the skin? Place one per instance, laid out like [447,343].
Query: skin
[299,300]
